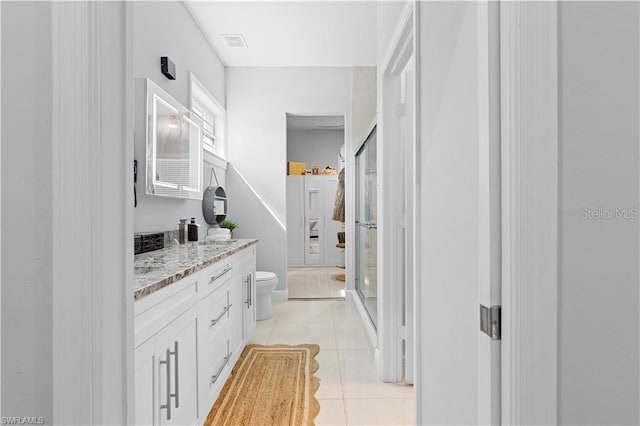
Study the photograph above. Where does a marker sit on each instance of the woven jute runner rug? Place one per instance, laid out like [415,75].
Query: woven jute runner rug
[269,385]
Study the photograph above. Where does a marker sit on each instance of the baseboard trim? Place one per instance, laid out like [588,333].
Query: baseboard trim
[371,331]
[280,296]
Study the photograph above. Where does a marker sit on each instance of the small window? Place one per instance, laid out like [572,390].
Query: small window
[212,115]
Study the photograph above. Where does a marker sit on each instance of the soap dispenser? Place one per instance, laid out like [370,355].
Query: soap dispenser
[193,230]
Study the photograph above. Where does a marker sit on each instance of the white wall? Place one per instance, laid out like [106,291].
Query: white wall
[598,296]
[0,209]
[255,221]
[168,29]
[364,101]
[449,209]
[319,147]
[258,100]
[363,112]
[387,17]
[26,217]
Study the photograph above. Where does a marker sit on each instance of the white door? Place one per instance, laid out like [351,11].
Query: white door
[185,369]
[249,292]
[165,375]
[177,371]
[457,377]
[146,389]
[489,212]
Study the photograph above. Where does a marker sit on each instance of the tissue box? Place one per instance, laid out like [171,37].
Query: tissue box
[148,241]
[294,168]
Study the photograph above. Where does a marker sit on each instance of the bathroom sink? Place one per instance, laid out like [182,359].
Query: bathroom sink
[144,269]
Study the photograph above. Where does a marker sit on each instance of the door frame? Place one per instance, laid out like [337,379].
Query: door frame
[529,212]
[390,330]
[92,167]
[529,132]
[0,208]
[489,206]
[348,263]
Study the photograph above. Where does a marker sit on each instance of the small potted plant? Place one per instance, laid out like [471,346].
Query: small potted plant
[229,225]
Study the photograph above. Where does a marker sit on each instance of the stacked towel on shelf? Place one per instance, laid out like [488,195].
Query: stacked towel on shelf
[219,234]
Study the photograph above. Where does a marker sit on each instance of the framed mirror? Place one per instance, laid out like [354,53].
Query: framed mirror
[173,147]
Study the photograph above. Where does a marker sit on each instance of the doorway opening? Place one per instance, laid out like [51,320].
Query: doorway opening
[315,206]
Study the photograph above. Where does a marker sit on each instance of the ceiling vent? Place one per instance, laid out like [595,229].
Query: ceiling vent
[234,40]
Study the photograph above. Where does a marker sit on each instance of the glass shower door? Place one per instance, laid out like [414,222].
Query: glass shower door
[366,227]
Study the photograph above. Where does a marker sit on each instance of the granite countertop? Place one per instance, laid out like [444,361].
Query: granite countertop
[157,269]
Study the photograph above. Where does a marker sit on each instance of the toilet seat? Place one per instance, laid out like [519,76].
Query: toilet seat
[264,276]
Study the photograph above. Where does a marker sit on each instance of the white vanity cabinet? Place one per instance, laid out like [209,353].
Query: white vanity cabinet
[188,336]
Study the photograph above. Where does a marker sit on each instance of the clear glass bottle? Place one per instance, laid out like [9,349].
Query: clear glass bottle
[182,231]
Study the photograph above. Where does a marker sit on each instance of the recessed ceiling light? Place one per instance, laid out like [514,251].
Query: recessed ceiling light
[234,40]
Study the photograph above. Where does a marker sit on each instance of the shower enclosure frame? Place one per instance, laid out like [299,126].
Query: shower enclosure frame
[366,284]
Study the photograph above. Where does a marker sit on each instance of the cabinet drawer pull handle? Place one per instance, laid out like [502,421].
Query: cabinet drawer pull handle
[215,277]
[215,377]
[248,282]
[224,311]
[176,374]
[168,404]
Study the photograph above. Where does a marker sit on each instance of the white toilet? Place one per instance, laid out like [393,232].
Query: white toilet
[266,282]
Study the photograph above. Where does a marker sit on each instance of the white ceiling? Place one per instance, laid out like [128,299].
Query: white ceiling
[315,122]
[291,33]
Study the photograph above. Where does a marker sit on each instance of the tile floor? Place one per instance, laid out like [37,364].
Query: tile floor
[314,283]
[350,392]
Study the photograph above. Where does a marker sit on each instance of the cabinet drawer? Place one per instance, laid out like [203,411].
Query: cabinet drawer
[216,365]
[215,309]
[244,257]
[162,295]
[168,307]
[218,368]
[215,343]
[216,275]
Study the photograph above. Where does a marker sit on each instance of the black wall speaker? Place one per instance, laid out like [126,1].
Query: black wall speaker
[168,68]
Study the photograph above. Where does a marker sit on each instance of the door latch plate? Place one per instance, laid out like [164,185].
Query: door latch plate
[491,321]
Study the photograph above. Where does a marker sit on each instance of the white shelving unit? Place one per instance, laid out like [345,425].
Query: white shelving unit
[311,232]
